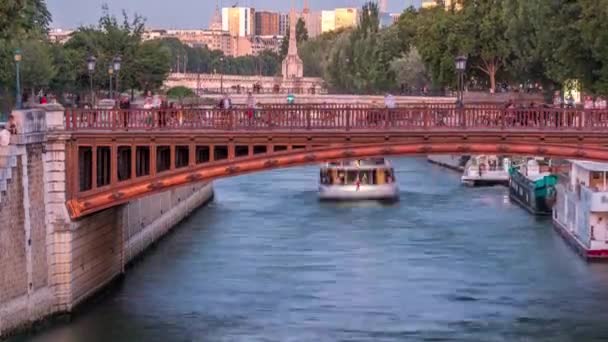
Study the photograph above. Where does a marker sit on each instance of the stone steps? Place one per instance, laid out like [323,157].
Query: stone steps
[8,161]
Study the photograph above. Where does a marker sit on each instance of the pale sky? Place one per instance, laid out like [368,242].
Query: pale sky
[181,13]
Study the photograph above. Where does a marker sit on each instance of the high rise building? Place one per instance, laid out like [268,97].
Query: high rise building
[328,21]
[448,4]
[283,24]
[312,21]
[346,18]
[239,21]
[267,23]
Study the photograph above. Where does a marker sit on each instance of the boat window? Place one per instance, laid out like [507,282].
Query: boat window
[324,177]
[389,176]
[366,177]
[352,176]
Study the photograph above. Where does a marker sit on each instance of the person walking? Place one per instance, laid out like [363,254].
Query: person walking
[250,108]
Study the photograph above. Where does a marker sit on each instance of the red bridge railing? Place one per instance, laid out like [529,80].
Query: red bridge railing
[338,117]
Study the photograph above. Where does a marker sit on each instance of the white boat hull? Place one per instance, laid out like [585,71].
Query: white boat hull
[365,192]
[487,178]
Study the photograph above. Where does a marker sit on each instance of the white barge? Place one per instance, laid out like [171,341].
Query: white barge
[580,213]
[486,170]
[369,179]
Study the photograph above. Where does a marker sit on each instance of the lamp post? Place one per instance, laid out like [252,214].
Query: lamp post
[461,66]
[91,63]
[18,57]
[117,65]
[111,74]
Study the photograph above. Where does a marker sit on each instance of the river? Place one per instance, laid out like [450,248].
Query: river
[266,261]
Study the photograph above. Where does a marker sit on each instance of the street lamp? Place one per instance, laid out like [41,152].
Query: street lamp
[111,74]
[117,65]
[18,57]
[91,63]
[461,67]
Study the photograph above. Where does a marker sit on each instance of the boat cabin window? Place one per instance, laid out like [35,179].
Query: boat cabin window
[325,177]
[389,177]
[597,181]
[349,177]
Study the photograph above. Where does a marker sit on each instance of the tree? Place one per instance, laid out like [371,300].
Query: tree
[301,36]
[151,66]
[481,32]
[180,93]
[410,70]
[37,68]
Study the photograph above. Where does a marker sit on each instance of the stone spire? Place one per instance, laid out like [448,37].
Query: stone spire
[216,20]
[293,41]
[292,64]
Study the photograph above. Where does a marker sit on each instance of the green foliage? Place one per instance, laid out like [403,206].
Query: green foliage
[357,60]
[37,67]
[203,60]
[410,70]
[20,21]
[150,66]
[180,93]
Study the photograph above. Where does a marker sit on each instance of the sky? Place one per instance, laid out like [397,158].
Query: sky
[180,13]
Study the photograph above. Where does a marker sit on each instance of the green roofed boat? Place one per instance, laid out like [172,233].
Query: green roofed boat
[532,186]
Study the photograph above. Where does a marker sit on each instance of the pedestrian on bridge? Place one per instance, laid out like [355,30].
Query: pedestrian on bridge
[250,108]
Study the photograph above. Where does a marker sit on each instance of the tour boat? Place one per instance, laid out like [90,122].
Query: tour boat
[580,213]
[369,179]
[486,170]
[532,186]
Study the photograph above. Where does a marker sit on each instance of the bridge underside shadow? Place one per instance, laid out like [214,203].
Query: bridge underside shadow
[86,203]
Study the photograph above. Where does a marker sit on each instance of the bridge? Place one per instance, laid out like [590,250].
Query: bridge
[83,193]
[114,156]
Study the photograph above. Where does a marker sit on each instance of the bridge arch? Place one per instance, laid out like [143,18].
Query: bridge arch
[87,203]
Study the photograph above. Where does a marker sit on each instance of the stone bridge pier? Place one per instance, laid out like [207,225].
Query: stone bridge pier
[49,263]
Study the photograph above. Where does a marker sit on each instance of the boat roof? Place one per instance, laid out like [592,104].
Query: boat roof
[591,165]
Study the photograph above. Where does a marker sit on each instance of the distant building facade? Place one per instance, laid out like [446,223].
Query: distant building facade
[346,18]
[328,21]
[239,21]
[267,23]
[212,39]
[283,24]
[60,36]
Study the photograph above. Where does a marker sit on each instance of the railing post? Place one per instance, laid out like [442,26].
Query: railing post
[231,119]
[386,118]
[114,118]
[308,119]
[347,118]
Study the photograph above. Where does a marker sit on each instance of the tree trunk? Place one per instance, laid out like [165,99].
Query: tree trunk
[493,82]
[492,73]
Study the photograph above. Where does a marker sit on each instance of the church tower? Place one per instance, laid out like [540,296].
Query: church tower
[216,20]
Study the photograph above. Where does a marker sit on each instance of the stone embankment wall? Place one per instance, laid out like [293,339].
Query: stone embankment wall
[48,263]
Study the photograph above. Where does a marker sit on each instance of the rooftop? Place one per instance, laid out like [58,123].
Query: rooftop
[591,165]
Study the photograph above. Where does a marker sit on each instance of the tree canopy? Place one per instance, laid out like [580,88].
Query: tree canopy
[547,42]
